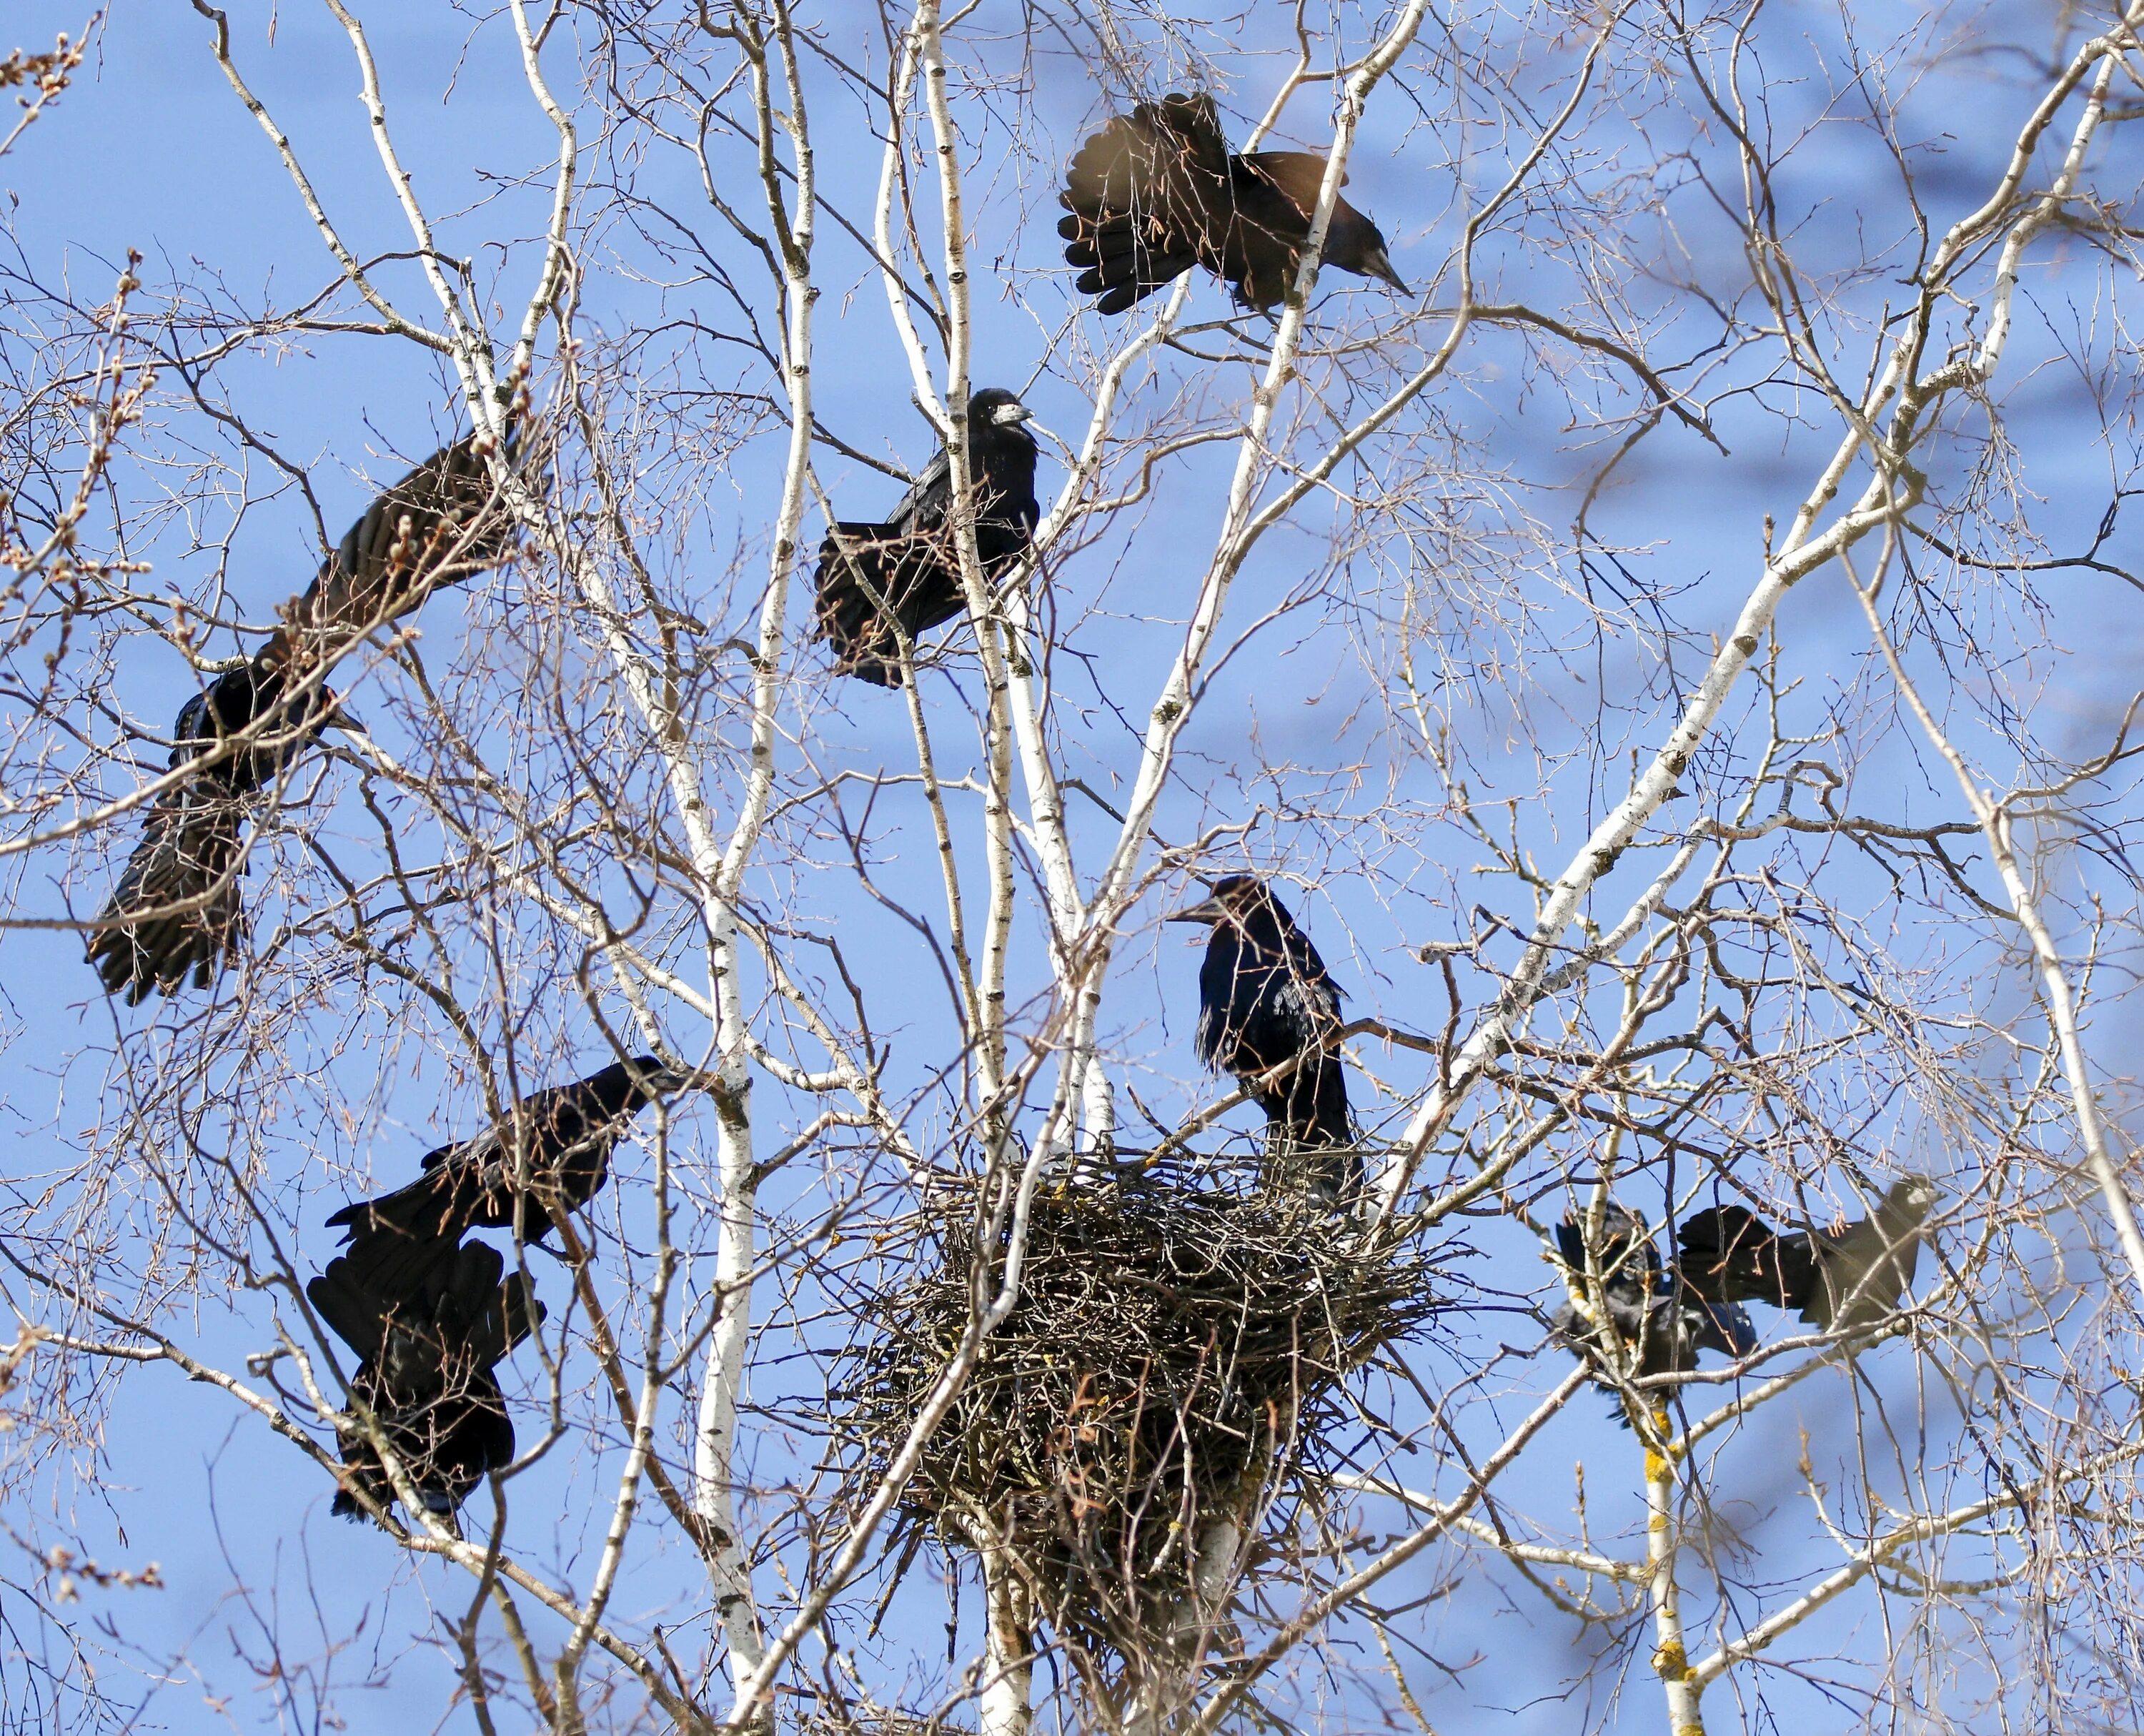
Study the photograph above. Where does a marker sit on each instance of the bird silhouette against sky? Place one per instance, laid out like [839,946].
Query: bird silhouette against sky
[1158,191]
[1852,1276]
[177,912]
[550,1155]
[427,1373]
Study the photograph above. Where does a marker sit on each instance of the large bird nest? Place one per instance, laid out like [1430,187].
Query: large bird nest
[1177,1354]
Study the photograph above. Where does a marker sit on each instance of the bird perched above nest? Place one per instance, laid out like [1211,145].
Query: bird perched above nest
[1265,1001]
[1630,1314]
[907,570]
[177,910]
[1843,1278]
[1157,191]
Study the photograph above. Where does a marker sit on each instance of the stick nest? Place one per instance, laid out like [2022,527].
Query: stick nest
[1176,1356]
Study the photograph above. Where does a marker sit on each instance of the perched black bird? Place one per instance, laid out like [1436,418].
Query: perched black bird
[1845,1278]
[176,909]
[907,570]
[1157,191]
[427,1375]
[1656,1324]
[1265,997]
[177,912]
[552,1154]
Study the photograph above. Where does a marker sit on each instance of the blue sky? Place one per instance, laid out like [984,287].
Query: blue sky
[152,151]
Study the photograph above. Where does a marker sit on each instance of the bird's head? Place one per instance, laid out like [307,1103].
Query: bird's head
[1238,899]
[995,407]
[247,697]
[1355,243]
[1376,263]
[1914,1195]
[650,1078]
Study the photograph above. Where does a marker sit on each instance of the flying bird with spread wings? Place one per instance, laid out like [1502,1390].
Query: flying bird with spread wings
[1158,191]
[1837,1278]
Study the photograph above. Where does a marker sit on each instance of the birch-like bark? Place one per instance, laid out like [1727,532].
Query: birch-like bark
[1892,491]
[1996,822]
[1678,1682]
[719,866]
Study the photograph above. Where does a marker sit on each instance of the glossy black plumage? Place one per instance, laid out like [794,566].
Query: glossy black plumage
[1265,997]
[907,570]
[1656,1323]
[559,1142]
[1845,1278]
[427,1373]
[1157,191]
[177,912]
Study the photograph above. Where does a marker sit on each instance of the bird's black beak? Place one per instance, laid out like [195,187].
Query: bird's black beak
[1211,911]
[347,720]
[1375,264]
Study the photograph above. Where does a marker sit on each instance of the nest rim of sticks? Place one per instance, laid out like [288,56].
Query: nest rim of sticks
[1180,1350]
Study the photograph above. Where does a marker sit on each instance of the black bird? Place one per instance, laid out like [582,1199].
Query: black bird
[907,569]
[427,1375]
[1655,1321]
[1265,999]
[1157,191]
[552,1154]
[177,912]
[1845,1278]
[177,908]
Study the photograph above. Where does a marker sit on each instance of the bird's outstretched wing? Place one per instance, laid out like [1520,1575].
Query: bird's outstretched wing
[440,524]
[1149,197]
[1728,1254]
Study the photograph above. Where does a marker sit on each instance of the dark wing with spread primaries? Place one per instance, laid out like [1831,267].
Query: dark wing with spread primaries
[1149,197]
[440,524]
[1729,1254]
[177,910]
[429,1384]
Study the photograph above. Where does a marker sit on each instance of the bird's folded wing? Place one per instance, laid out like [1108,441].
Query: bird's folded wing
[923,506]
